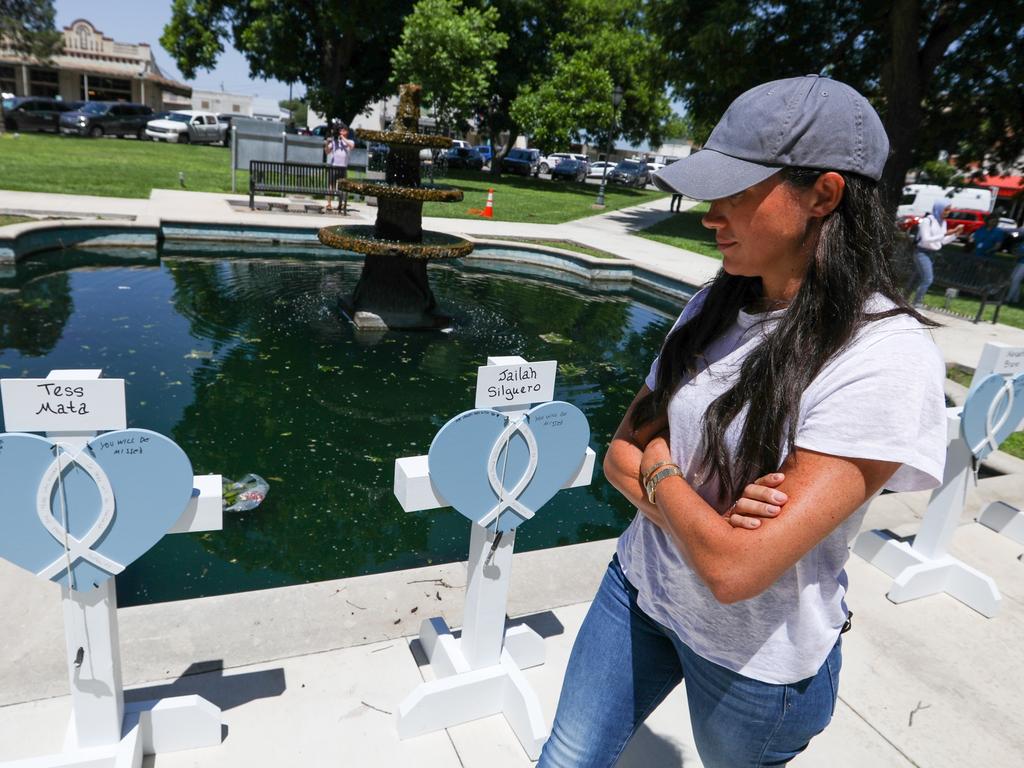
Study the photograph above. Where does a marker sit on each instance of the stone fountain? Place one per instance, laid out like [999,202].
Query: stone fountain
[393,290]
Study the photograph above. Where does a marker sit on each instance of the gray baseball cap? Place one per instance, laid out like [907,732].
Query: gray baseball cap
[811,122]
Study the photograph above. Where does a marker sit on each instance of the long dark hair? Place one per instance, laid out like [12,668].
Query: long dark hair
[851,261]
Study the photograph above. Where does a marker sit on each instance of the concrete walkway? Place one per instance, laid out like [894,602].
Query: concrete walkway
[311,675]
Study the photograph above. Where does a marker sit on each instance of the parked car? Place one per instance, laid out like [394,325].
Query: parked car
[596,169]
[970,219]
[631,173]
[570,169]
[464,157]
[549,162]
[107,118]
[460,144]
[1013,241]
[188,126]
[525,162]
[485,152]
[32,113]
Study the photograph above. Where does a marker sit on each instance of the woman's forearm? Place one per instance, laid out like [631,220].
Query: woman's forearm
[622,470]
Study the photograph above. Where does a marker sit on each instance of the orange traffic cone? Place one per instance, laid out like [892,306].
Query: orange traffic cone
[488,212]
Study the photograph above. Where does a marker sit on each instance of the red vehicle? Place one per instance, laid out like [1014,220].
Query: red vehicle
[971,219]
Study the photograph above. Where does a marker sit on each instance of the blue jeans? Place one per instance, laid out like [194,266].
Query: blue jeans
[925,274]
[624,664]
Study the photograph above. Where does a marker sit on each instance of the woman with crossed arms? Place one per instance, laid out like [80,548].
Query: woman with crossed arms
[792,389]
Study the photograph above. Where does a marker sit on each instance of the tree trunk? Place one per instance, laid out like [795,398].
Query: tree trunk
[903,89]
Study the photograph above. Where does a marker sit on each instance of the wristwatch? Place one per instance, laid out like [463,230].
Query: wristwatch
[652,482]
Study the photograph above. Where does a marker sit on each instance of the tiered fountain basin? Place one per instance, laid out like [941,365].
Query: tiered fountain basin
[393,291]
[363,239]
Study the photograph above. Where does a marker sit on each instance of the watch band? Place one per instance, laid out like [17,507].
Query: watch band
[650,472]
[652,482]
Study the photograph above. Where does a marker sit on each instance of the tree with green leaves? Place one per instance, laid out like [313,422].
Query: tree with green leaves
[450,51]
[27,27]
[531,26]
[604,43]
[943,74]
[339,50]
[298,108]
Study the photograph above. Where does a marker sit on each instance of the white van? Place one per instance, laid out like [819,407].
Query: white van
[918,199]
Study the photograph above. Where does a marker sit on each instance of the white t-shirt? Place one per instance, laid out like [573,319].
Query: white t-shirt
[880,398]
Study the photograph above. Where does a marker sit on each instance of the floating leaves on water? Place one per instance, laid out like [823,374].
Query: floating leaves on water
[199,354]
[5,366]
[286,434]
[571,369]
[555,338]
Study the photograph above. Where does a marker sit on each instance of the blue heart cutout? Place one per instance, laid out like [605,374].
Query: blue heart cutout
[126,490]
[463,449]
[1007,397]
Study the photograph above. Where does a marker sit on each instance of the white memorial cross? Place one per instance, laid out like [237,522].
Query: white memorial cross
[926,567]
[1000,516]
[104,732]
[480,673]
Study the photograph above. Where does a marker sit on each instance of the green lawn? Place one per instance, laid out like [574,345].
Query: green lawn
[5,220]
[35,162]
[131,168]
[684,230]
[535,201]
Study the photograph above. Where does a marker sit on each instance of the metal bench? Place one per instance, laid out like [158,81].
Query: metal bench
[986,278]
[294,178]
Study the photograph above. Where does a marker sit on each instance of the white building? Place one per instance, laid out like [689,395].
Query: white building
[222,103]
[93,67]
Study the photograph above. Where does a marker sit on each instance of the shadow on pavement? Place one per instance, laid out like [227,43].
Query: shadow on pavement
[207,679]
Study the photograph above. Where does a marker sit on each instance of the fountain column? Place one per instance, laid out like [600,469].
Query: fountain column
[394,290]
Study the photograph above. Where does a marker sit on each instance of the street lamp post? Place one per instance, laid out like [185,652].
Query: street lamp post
[616,100]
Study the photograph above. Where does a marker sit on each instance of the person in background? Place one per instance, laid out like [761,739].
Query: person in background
[338,147]
[931,236]
[988,239]
[676,202]
[794,387]
[1016,276]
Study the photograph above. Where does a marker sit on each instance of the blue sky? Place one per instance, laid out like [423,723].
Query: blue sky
[142,21]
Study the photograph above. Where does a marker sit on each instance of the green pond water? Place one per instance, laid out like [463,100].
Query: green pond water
[244,360]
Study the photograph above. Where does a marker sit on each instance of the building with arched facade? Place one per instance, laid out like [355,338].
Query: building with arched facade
[93,67]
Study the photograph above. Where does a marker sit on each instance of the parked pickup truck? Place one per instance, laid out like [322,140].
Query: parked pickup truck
[189,126]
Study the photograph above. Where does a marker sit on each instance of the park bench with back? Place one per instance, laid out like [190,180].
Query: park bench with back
[293,178]
[983,277]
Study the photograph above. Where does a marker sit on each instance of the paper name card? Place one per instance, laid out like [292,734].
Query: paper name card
[63,405]
[1009,361]
[518,384]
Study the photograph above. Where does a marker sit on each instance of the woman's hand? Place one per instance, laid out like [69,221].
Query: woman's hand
[647,432]
[656,449]
[760,500]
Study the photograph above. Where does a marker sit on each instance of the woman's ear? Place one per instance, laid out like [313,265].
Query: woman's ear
[826,193]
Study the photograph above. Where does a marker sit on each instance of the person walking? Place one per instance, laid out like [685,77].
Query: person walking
[676,202]
[931,236]
[338,148]
[793,388]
